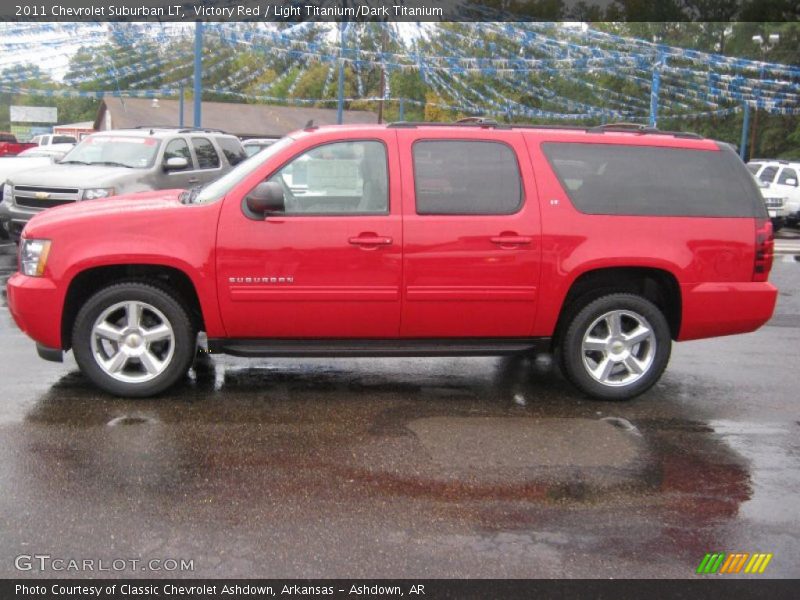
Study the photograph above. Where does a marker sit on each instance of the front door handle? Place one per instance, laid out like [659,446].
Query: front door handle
[511,240]
[194,180]
[370,240]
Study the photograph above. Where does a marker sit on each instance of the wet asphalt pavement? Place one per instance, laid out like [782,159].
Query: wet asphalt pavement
[408,467]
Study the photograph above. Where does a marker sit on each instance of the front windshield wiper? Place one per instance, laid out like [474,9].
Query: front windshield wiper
[73,162]
[111,163]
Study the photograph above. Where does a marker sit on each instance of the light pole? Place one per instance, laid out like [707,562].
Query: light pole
[765,44]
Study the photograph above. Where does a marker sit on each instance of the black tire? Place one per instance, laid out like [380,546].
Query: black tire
[182,343]
[655,351]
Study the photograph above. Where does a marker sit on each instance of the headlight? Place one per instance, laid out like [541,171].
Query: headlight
[7,191]
[33,256]
[94,193]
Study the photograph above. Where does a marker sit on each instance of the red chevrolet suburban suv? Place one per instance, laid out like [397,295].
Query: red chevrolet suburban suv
[601,245]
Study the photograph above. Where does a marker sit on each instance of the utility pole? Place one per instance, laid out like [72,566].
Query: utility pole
[198,72]
[655,87]
[383,73]
[765,45]
[340,93]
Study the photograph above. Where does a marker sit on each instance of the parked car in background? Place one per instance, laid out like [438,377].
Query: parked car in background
[32,158]
[783,179]
[601,245]
[256,145]
[53,151]
[116,162]
[776,205]
[53,138]
[9,146]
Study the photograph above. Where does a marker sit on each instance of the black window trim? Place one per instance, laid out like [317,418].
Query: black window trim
[522,191]
[271,174]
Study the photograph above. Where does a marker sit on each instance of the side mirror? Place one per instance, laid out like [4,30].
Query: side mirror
[792,182]
[176,163]
[266,198]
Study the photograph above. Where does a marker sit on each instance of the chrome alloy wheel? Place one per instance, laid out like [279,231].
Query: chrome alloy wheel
[132,341]
[618,348]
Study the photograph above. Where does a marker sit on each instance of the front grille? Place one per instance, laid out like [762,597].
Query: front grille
[44,197]
[39,203]
[774,202]
[31,189]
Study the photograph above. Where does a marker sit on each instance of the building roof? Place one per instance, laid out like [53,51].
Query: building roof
[80,125]
[244,120]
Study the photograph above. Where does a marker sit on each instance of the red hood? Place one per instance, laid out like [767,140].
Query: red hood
[90,209]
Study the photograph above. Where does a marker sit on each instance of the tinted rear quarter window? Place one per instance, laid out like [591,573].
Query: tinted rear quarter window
[232,149]
[645,180]
[466,177]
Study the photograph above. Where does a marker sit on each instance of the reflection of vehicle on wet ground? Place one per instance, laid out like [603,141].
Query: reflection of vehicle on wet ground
[499,454]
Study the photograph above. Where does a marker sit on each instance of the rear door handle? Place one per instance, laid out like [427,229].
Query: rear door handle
[511,240]
[194,180]
[370,240]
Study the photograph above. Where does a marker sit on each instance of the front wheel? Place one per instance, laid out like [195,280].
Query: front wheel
[616,347]
[133,339]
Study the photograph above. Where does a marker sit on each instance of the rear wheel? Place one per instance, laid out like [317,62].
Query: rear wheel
[616,347]
[133,339]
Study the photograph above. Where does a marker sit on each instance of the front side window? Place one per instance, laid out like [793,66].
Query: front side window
[337,178]
[207,157]
[455,177]
[178,148]
[768,174]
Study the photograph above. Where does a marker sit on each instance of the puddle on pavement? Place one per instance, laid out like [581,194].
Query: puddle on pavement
[445,430]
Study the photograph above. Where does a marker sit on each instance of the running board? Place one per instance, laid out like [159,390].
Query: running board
[277,348]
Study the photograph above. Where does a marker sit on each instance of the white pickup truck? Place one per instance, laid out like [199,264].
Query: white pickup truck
[48,139]
[783,184]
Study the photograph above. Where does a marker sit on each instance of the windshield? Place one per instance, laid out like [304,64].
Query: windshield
[217,189]
[114,151]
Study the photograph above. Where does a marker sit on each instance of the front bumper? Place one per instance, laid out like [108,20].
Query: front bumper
[14,218]
[35,304]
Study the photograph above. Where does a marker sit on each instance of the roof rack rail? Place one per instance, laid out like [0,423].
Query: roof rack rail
[476,121]
[179,129]
[482,122]
[479,122]
[641,129]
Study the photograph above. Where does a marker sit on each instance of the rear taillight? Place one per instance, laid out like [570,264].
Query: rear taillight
[765,246]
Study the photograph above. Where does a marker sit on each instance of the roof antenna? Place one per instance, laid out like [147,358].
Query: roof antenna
[310,124]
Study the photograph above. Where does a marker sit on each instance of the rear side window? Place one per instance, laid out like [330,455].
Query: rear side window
[787,175]
[456,177]
[207,157]
[232,149]
[605,179]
